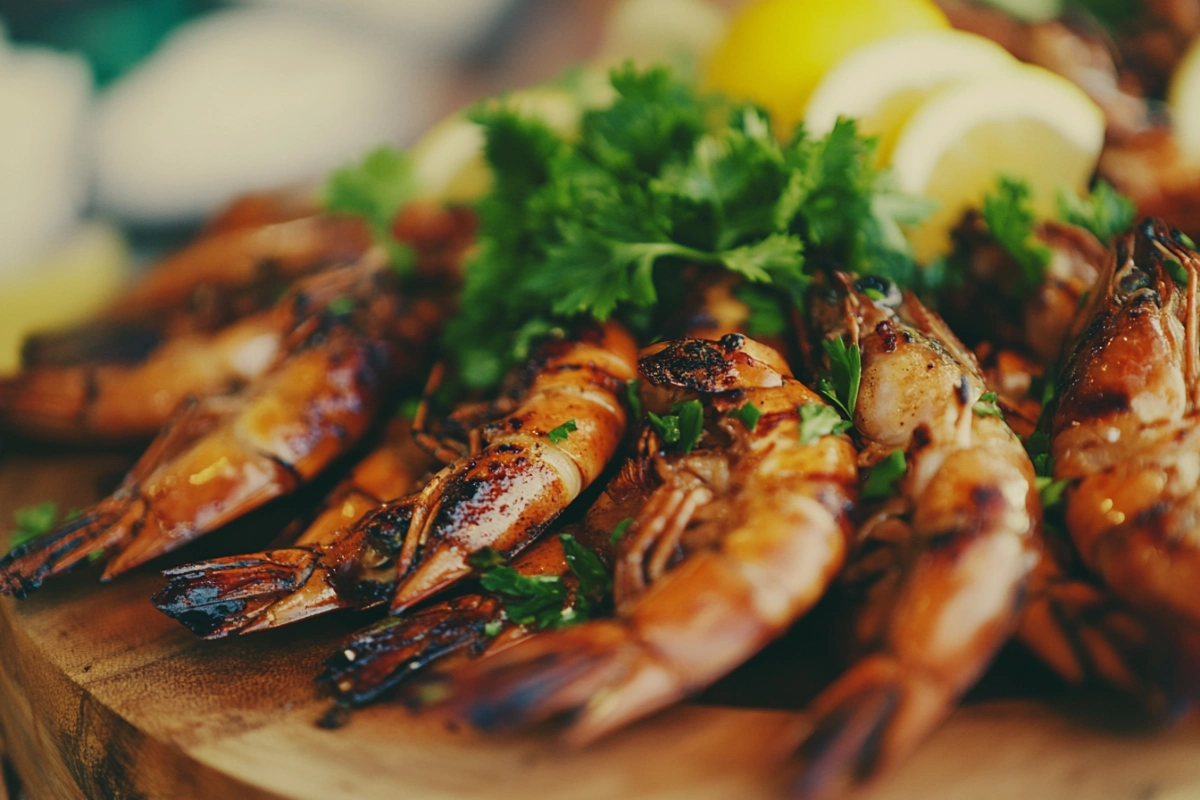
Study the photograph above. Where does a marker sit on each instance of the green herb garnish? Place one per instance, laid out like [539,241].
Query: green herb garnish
[767,318]
[603,223]
[817,420]
[634,399]
[341,306]
[881,479]
[987,406]
[562,432]
[1051,491]
[619,531]
[840,386]
[683,427]
[1105,212]
[1010,220]
[749,415]
[32,522]
[376,189]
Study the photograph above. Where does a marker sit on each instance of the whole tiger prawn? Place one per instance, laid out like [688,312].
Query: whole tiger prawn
[1126,429]
[505,482]
[760,520]
[962,510]
[225,455]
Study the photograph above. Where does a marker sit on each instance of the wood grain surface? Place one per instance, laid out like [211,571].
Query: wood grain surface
[102,697]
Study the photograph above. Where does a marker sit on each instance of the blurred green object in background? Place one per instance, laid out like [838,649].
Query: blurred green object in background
[112,34]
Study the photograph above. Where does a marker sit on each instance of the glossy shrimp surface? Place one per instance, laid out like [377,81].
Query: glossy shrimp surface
[1125,429]
[257,591]
[963,516]
[117,401]
[223,456]
[762,525]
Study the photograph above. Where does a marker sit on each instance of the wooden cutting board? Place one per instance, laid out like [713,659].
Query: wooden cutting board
[103,697]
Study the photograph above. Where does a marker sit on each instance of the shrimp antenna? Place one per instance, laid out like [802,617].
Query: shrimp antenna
[1169,242]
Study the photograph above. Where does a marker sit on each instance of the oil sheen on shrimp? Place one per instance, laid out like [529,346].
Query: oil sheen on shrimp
[763,522]
[223,456]
[239,594]
[1126,430]
[964,513]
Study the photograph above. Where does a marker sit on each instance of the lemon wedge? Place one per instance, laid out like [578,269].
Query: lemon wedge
[1183,98]
[65,286]
[1025,123]
[882,83]
[775,51]
[448,160]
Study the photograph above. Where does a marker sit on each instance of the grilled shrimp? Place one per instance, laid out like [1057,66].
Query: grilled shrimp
[376,659]
[118,402]
[1125,429]
[263,590]
[223,456]
[507,485]
[994,306]
[963,518]
[763,523]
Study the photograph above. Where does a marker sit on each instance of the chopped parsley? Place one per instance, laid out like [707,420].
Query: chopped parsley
[492,629]
[1051,491]
[619,531]
[541,601]
[881,479]
[375,189]
[341,306]
[562,432]
[840,386]
[1010,220]
[749,415]
[817,420]
[683,427]
[1177,271]
[601,224]
[1105,212]
[32,522]
[987,406]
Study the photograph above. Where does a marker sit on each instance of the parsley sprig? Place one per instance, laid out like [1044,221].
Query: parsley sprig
[601,224]
[817,420]
[541,601]
[840,386]
[375,189]
[1010,220]
[1105,212]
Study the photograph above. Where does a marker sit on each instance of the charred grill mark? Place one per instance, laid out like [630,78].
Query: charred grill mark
[386,527]
[691,364]
[922,437]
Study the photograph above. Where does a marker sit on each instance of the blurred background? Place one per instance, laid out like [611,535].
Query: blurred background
[128,122]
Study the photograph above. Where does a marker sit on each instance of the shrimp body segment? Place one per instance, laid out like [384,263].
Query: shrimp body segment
[763,525]
[224,456]
[1126,429]
[963,517]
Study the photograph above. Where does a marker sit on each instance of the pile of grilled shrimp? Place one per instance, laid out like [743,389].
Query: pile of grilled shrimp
[273,349]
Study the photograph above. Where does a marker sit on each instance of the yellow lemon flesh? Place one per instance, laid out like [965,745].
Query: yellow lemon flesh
[882,83]
[1183,98]
[776,51]
[65,287]
[1026,123]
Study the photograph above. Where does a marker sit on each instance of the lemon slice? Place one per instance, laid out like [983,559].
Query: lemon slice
[65,286]
[1183,98]
[776,51]
[448,160]
[1027,123]
[882,83]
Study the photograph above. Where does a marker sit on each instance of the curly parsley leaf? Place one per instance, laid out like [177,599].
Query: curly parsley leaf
[375,189]
[817,420]
[987,406]
[1010,220]
[1105,212]
[562,432]
[749,415]
[601,225]
[881,479]
[840,386]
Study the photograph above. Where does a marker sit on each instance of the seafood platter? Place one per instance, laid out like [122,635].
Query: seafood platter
[675,428]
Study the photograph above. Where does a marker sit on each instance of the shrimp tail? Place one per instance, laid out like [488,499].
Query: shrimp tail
[870,718]
[84,539]
[215,598]
[378,658]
